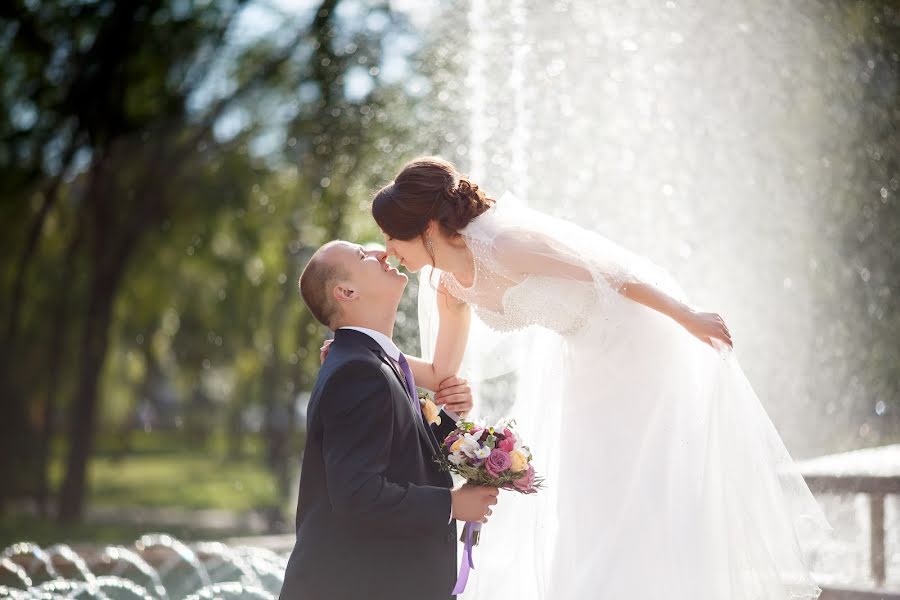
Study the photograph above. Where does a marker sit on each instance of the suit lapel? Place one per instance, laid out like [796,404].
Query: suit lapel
[358,337]
[419,419]
[386,360]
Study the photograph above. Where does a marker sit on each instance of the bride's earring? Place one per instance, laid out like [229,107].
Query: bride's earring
[430,246]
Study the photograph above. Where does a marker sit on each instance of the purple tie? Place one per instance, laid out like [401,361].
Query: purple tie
[410,382]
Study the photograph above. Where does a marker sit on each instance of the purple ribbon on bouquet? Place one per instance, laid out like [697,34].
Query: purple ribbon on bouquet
[466,564]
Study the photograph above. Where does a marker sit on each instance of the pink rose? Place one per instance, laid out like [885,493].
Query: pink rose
[526,481]
[507,444]
[498,462]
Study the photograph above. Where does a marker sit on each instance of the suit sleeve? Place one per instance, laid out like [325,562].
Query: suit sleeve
[447,426]
[357,414]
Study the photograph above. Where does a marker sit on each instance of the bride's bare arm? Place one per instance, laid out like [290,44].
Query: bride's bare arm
[534,254]
[454,318]
[705,326]
[440,375]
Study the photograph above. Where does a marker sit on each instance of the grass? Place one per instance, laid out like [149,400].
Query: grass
[159,470]
[191,482]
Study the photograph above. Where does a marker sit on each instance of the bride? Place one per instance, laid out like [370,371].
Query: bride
[665,476]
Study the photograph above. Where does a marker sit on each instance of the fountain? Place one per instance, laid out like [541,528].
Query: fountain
[157,567]
[717,142]
[722,141]
[715,138]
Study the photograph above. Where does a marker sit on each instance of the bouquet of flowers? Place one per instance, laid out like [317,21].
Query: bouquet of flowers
[493,456]
[490,456]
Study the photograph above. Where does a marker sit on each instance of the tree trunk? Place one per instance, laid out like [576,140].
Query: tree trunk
[83,417]
[110,249]
[14,426]
[50,194]
[14,437]
[278,408]
[54,362]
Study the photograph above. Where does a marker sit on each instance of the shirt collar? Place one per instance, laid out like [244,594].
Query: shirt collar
[389,347]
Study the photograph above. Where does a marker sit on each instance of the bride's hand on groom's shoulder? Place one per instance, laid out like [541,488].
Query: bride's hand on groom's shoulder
[455,394]
[323,351]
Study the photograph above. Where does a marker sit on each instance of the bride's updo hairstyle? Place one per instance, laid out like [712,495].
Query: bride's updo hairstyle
[427,188]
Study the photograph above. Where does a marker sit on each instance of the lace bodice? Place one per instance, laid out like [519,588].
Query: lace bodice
[534,273]
[507,301]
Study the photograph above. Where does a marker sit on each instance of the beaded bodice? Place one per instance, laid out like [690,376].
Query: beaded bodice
[507,301]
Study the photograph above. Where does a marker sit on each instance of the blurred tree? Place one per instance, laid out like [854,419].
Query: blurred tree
[173,179]
[108,83]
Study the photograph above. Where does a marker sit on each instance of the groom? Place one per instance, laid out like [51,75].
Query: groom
[376,516]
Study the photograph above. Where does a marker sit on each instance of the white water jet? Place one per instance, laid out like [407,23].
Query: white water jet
[157,567]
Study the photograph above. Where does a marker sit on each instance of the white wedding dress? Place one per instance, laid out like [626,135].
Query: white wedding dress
[665,478]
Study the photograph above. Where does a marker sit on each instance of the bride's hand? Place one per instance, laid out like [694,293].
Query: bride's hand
[709,328]
[323,351]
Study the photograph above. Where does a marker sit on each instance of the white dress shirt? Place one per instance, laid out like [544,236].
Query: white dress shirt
[386,343]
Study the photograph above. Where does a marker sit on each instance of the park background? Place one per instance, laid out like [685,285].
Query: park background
[168,166]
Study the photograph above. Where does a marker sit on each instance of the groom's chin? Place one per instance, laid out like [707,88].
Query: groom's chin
[401,281]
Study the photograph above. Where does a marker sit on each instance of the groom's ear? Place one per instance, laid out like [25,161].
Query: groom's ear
[344,293]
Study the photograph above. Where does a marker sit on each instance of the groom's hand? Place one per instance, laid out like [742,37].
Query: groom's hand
[473,503]
[456,395]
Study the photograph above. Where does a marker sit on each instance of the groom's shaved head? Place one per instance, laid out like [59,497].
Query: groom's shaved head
[317,282]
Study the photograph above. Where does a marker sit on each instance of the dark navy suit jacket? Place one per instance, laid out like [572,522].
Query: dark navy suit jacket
[373,510]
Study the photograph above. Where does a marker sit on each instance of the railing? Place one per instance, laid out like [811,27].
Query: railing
[876,488]
[836,594]
[871,471]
